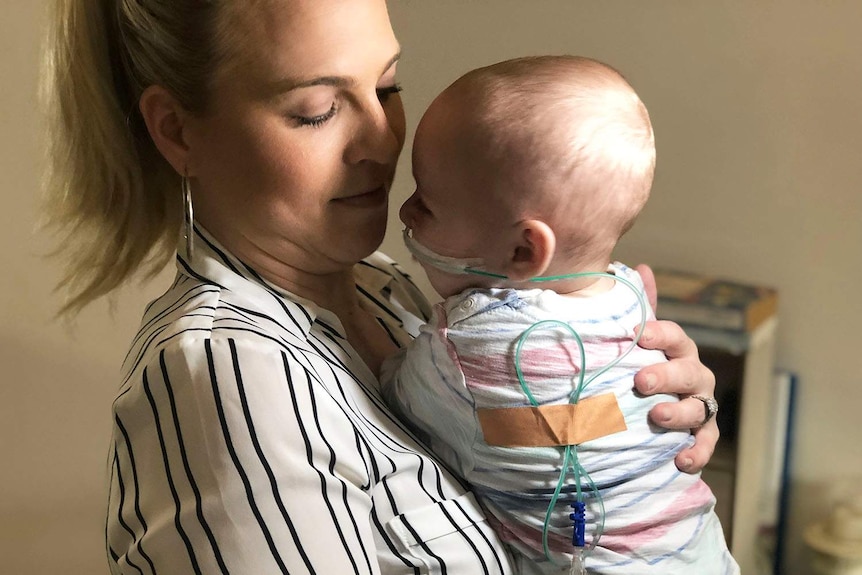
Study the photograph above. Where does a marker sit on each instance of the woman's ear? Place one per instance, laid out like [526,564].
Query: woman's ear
[533,252]
[165,119]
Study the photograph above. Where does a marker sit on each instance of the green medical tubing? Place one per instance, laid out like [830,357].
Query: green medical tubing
[570,453]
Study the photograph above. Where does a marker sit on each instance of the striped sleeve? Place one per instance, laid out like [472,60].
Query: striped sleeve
[221,465]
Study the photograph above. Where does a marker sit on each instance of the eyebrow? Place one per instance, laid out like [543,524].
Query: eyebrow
[289,84]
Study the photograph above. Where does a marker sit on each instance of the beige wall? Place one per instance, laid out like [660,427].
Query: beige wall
[758,112]
[58,382]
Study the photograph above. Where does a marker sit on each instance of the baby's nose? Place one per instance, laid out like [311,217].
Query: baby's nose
[407,210]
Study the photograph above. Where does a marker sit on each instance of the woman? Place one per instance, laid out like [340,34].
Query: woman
[249,433]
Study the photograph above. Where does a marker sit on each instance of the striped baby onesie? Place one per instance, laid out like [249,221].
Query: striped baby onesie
[657,519]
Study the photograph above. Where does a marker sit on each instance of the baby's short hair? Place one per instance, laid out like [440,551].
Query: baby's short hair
[566,121]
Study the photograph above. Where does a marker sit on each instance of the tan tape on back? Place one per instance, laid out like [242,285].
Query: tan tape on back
[552,425]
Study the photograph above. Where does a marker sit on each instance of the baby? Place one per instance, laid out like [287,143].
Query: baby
[527,174]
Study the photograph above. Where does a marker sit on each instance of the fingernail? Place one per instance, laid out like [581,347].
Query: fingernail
[649,382]
[646,335]
[687,463]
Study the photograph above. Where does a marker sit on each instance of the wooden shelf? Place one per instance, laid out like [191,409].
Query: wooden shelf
[736,472]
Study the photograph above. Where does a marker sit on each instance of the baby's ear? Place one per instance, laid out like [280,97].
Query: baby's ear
[534,249]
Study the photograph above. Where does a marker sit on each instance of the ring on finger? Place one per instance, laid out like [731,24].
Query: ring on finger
[710,408]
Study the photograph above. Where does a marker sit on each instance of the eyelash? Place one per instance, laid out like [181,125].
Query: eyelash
[384,93]
[317,121]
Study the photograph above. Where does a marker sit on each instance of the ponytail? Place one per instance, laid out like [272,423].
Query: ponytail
[113,199]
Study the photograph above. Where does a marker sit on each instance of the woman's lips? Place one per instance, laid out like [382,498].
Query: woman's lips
[368,199]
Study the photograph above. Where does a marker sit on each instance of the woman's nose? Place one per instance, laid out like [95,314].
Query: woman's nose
[379,134]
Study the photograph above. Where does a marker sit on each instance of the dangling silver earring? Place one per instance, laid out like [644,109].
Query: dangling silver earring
[188,218]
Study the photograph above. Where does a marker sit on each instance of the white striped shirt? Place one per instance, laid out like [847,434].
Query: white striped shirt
[249,437]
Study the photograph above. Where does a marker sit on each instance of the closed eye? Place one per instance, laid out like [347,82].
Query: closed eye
[316,121]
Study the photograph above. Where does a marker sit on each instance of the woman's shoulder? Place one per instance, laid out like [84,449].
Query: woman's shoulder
[191,315]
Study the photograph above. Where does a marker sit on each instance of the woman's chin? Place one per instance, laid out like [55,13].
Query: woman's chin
[365,239]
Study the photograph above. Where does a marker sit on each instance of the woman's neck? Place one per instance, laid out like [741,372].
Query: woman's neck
[335,291]
[327,283]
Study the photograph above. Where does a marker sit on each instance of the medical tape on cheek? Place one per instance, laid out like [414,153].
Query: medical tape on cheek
[552,425]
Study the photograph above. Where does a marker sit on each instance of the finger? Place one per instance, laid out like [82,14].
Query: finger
[695,458]
[668,337]
[681,376]
[684,414]
[648,279]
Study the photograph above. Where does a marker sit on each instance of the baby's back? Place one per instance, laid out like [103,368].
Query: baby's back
[654,515]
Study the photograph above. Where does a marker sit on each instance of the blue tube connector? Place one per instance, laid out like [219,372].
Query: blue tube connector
[580,523]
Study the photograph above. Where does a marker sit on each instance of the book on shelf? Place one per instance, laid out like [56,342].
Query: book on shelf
[713,303]
[731,341]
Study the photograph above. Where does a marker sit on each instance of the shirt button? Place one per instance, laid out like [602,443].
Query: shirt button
[468,304]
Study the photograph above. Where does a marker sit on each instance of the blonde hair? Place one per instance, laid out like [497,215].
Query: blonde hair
[113,199]
[570,124]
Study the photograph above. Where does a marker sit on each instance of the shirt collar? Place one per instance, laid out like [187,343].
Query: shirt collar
[213,264]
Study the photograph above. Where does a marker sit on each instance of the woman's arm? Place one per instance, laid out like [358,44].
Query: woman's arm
[683,375]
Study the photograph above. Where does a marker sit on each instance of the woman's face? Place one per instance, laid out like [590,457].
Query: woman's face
[292,163]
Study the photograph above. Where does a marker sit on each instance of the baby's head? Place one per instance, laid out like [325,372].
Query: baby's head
[536,166]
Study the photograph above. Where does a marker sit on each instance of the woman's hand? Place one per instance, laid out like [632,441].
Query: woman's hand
[683,375]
